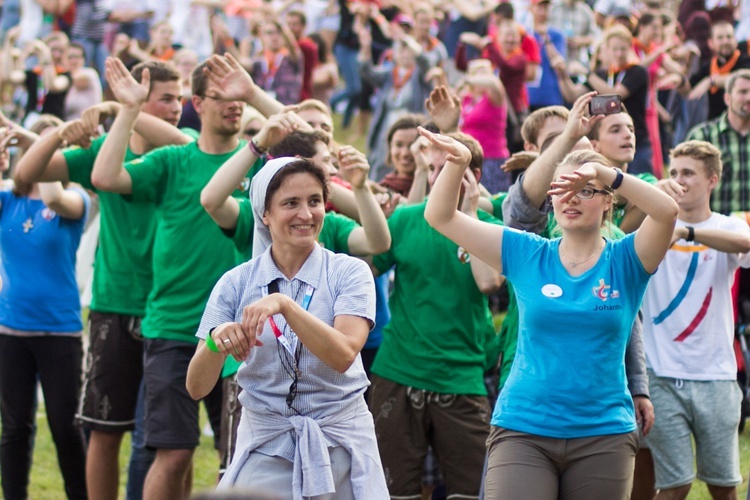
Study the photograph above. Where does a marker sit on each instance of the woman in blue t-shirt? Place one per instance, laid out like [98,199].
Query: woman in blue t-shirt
[564,426]
[40,322]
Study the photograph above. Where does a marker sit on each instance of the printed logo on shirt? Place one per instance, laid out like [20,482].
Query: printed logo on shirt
[48,214]
[604,292]
[463,256]
[244,185]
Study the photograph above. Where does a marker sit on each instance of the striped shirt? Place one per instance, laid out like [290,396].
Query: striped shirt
[732,194]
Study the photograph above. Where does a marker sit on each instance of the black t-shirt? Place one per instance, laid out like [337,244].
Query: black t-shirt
[635,79]
[716,104]
[52,103]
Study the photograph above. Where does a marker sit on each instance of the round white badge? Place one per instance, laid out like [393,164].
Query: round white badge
[552,291]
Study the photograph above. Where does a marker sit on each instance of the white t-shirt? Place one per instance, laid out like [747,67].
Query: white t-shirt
[687,311]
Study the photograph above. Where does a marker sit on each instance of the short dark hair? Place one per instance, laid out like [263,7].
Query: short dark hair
[76,45]
[299,143]
[160,71]
[300,166]
[505,10]
[299,15]
[199,80]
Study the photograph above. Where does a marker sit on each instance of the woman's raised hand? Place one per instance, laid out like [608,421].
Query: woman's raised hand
[458,154]
[567,185]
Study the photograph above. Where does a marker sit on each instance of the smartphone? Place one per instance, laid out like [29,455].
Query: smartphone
[605,105]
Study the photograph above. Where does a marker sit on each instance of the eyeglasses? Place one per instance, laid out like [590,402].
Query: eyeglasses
[588,192]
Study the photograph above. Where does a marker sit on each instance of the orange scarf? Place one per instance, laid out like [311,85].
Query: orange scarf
[166,56]
[617,70]
[642,50]
[398,82]
[273,60]
[725,69]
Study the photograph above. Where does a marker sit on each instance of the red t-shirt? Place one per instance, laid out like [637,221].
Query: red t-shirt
[309,51]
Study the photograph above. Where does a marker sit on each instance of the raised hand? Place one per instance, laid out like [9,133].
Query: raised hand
[519,161]
[568,185]
[444,108]
[128,92]
[672,188]
[96,115]
[457,153]
[353,166]
[17,136]
[279,126]
[75,133]
[470,202]
[418,150]
[231,81]
[578,123]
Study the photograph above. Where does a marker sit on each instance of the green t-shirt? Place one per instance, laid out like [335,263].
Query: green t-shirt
[439,321]
[497,205]
[190,251]
[122,269]
[619,210]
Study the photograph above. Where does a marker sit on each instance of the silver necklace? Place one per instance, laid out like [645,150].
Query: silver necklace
[576,264]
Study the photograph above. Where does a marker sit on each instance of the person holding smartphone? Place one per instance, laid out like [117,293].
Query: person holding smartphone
[579,440]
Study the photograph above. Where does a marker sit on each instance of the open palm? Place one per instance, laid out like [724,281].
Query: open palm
[127,91]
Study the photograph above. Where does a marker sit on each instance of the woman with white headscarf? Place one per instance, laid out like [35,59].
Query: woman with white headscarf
[297,316]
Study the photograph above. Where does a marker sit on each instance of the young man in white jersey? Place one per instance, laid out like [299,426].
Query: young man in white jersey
[688,334]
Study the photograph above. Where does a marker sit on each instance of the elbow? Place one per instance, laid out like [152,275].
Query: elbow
[744,245]
[207,201]
[380,245]
[194,389]
[100,182]
[345,362]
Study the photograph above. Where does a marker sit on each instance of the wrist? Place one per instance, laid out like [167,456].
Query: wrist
[689,233]
[255,147]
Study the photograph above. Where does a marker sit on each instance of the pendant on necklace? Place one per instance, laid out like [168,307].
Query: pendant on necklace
[28,225]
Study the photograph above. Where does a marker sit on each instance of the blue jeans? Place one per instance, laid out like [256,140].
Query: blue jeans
[96,53]
[140,456]
[346,57]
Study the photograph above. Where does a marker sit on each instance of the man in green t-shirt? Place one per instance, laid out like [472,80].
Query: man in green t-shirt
[122,269]
[190,252]
[428,376]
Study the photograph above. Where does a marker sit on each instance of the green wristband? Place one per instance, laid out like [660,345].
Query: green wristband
[210,342]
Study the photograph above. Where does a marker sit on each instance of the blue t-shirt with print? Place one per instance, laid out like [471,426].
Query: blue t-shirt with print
[39,290]
[568,377]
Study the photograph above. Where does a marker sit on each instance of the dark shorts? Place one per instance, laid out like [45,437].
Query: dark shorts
[171,420]
[114,368]
[408,420]
[230,420]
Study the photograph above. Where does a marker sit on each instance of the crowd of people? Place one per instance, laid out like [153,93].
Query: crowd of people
[525,285]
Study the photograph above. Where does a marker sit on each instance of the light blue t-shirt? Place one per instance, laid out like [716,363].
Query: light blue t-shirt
[38,289]
[568,378]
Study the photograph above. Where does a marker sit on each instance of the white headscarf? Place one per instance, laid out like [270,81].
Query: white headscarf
[258,190]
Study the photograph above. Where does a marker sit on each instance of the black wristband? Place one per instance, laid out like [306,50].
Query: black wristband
[618,180]
[257,151]
[691,233]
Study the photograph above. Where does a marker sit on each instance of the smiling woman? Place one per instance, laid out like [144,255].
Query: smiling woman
[303,383]
[597,285]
